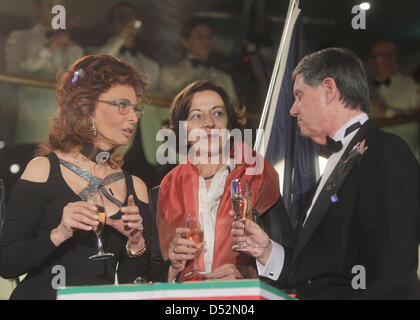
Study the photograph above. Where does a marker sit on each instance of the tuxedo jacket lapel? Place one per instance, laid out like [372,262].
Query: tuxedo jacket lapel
[330,189]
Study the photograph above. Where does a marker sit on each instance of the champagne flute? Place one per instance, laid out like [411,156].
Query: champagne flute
[195,233]
[95,199]
[241,203]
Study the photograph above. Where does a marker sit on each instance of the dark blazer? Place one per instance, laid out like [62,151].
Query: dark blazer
[159,267]
[372,221]
[274,221]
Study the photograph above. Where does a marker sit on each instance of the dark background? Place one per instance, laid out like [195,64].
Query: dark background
[326,21]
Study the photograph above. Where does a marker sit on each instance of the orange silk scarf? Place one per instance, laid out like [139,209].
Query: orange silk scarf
[179,194]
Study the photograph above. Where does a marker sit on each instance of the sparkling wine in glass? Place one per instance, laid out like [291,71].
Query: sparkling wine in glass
[241,203]
[95,199]
[195,234]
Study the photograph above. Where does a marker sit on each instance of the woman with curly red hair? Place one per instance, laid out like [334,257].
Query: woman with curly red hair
[49,220]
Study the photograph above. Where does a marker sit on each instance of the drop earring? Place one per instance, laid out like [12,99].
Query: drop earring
[95,132]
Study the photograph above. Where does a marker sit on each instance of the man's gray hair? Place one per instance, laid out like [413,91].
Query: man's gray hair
[344,67]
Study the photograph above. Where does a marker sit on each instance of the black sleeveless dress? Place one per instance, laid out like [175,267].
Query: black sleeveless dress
[34,210]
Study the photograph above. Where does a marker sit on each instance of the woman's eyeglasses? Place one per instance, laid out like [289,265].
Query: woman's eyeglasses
[124,106]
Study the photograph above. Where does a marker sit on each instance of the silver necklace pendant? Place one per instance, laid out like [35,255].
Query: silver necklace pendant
[102,157]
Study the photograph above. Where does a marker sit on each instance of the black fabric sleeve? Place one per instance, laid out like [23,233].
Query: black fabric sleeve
[23,246]
[159,267]
[276,223]
[389,210]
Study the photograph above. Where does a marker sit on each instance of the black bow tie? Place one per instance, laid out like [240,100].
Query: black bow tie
[333,146]
[386,82]
[49,33]
[196,63]
[132,50]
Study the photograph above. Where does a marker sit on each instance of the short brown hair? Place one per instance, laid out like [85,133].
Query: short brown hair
[114,8]
[71,126]
[181,104]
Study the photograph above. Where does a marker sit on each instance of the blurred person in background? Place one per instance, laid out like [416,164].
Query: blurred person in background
[125,27]
[39,53]
[197,41]
[393,93]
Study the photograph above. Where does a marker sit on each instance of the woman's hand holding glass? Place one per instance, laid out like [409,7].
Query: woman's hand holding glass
[79,215]
[181,250]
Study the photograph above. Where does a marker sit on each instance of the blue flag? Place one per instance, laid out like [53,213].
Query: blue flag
[293,156]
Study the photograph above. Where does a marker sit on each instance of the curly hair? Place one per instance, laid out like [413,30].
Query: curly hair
[77,94]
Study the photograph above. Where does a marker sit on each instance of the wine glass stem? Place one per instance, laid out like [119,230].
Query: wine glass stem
[196,263]
[100,248]
[243,237]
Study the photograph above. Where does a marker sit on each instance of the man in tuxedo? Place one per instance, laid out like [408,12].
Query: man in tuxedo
[358,235]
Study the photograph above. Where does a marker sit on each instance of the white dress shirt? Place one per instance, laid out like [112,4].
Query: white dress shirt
[140,62]
[27,54]
[271,269]
[176,77]
[208,206]
[402,95]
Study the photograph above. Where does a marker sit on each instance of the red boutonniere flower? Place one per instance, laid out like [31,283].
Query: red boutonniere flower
[357,150]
